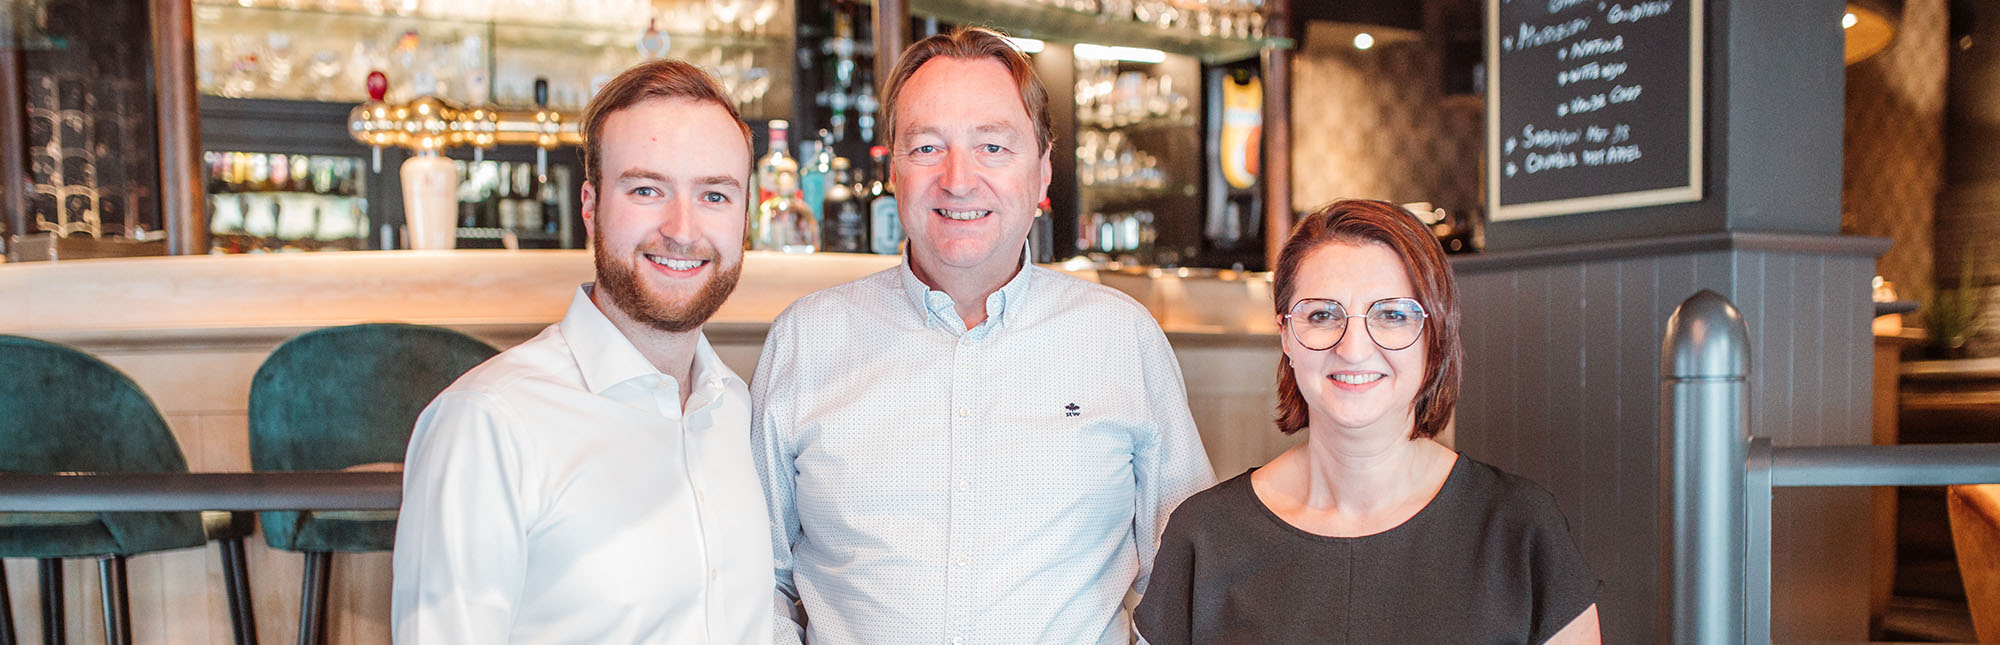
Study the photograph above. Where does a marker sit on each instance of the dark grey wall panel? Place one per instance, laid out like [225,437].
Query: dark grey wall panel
[1562,386]
[1784,91]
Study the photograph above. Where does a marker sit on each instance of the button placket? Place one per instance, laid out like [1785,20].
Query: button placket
[964,439]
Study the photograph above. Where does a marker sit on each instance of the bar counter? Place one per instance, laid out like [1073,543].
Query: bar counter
[192,330]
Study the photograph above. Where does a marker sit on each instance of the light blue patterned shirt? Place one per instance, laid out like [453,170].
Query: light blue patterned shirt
[1003,484]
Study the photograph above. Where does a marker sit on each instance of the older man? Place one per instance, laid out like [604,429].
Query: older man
[968,448]
[595,484]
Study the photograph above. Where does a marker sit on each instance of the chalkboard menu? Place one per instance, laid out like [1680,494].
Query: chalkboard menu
[1592,105]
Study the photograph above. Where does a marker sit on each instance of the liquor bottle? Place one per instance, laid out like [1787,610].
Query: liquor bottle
[846,228]
[783,222]
[1042,234]
[885,228]
[775,161]
[817,170]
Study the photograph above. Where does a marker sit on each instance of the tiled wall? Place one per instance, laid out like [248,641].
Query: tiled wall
[1377,124]
[1894,145]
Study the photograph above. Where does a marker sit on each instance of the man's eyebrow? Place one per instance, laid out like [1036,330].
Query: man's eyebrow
[995,127]
[648,175]
[718,180]
[640,173]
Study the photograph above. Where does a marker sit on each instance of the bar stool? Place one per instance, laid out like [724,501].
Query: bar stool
[346,398]
[67,411]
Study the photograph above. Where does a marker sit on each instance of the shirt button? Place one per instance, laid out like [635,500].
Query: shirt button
[711,574]
[962,486]
[958,640]
[960,562]
[965,412]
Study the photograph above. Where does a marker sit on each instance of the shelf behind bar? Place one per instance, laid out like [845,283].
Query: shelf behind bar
[266,491]
[1048,22]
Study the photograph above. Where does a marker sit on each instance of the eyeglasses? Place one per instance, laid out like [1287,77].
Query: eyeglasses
[1393,323]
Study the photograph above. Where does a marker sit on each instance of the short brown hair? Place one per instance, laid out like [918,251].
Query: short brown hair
[1359,221]
[971,43]
[654,79]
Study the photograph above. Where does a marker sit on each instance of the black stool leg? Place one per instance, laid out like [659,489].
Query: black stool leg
[236,582]
[312,611]
[52,600]
[6,609]
[117,600]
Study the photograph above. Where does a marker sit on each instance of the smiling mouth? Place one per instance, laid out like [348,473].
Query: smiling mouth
[961,216]
[1356,379]
[676,264]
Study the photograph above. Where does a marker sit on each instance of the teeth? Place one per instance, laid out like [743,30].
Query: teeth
[677,265]
[1357,379]
[963,216]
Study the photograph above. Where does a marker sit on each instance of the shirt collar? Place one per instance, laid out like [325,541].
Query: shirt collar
[607,358]
[1002,306]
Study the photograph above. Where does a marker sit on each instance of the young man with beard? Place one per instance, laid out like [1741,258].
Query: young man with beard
[595,483]
[968,447]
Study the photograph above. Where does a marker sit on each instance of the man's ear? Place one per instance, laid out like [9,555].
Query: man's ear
[1047,174]
[589,210]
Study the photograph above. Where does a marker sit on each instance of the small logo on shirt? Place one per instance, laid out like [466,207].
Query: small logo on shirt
[1071,410]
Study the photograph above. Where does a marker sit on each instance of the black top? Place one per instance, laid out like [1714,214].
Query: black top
[1489,560]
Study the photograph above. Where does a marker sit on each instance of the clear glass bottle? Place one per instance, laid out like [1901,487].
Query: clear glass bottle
[775,161]
[783,221]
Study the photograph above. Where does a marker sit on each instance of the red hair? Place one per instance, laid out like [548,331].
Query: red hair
[663,78]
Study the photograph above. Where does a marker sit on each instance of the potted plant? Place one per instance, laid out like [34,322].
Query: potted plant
[1950,316]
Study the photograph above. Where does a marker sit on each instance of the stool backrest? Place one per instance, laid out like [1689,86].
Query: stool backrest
[62,410]
[345,396]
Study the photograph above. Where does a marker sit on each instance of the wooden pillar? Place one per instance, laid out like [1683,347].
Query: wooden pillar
[14,145]
[1277,144]
[892,34]
[183,207]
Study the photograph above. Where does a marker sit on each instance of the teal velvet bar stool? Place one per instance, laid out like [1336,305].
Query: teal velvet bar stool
[346,398]
[62,410]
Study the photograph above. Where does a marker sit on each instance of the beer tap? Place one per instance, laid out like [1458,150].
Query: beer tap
[549,124]
[370,122]
[428,125]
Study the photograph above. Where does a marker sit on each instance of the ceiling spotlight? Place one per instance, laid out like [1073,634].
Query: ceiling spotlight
[1363,40]
[1848,19]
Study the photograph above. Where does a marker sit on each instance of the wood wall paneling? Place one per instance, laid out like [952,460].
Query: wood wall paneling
[1562,386]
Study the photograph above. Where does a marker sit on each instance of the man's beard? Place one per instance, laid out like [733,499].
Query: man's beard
[620,279]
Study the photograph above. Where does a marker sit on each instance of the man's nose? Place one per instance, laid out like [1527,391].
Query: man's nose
[677,220]
[959,174]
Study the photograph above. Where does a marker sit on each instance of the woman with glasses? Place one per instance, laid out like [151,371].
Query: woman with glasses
[1369,531]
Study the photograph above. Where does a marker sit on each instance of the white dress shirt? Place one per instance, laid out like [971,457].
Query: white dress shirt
[558,494]
[1004,484]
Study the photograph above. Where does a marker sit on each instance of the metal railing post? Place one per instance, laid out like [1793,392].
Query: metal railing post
[1757,497]
[1704,407]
